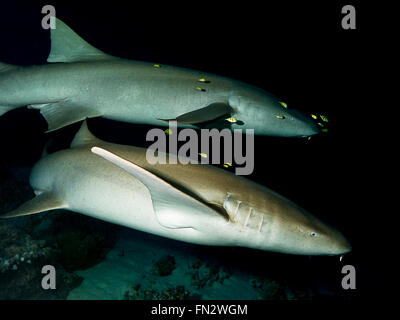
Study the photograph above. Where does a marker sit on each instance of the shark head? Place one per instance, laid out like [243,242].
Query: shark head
[265,220]
[256,109]
[307,235]
[294,230]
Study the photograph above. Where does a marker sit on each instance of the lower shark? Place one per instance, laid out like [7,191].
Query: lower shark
[82,82]
[195,203]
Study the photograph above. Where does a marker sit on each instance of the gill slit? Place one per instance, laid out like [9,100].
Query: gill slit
[248,217]
[237,210]
[261,223]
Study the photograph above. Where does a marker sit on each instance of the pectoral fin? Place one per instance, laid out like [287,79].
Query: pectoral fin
[173,208]
[43,202]
[209,113]
[62,113]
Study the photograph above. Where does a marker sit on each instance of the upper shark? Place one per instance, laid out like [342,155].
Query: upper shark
[80,81]
[115,183]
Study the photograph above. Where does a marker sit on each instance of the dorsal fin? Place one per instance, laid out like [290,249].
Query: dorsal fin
[84,136]
[67,46]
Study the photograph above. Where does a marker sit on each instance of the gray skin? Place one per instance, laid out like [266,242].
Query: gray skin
[195,203]
[90,83]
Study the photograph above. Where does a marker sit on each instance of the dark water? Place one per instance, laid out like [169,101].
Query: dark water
[300,55]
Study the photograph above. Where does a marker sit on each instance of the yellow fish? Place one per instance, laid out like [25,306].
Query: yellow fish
[324,118]
[232,120]
[283,104]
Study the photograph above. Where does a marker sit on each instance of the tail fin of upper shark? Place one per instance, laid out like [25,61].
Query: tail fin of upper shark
[67,46]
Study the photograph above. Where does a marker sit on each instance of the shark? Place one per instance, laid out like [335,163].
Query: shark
[80,81]
[195,203]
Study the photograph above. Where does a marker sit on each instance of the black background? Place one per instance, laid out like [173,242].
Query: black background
[299,52]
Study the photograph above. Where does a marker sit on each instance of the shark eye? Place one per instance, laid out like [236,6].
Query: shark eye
[313,234]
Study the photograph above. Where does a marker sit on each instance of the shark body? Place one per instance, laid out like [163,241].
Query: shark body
[195,203]
[81,81]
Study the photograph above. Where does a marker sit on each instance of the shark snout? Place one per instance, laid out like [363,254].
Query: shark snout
[329,240]
[324,239]
[340,245]
[304,126]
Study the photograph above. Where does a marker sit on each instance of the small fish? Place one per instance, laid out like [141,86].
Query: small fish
[324,130]
[203,155]
[283,104]
[203,80]
[324,118]
[168,131]
[232,120]
[156,65]
[226,166]
[314,116]
[320,124]
[280,116]
[200,89]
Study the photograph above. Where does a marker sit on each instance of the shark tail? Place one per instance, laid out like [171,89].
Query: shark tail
[4,67]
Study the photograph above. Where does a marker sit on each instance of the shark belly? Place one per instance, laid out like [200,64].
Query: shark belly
[96,188]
